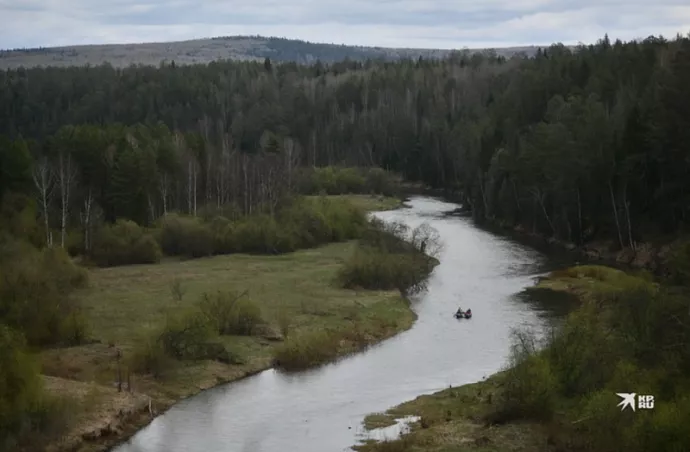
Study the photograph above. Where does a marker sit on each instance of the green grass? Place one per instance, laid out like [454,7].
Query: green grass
[298,294]
[369,203]
[586,281]
[125,305]
[451,420]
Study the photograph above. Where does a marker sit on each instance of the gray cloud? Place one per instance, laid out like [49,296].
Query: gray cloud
[398,23]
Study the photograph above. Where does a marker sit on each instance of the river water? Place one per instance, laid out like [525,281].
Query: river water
[321,410]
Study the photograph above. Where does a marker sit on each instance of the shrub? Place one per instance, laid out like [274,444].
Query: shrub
[530,387]
[666,428]
[259,234]
[333,180]
[385,260]
[186,336]
[584,352]
[305,350]
[185,236]
[223,231]
[150,358]
[124,243]
[382,182]
[230,313]
[20,385]
[35,294]
[677,264]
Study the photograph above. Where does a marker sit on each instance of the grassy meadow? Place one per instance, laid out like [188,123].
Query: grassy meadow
[302,317]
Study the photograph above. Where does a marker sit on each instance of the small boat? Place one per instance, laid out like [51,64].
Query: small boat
[463,314]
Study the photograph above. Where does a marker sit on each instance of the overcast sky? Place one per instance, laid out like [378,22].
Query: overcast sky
[387,23]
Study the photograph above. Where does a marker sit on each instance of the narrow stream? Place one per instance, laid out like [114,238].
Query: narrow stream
[322,410]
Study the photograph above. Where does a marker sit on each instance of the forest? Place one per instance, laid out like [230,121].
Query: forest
[118,165]
[577,145]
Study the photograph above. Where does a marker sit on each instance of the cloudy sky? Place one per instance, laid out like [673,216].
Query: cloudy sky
[390,23]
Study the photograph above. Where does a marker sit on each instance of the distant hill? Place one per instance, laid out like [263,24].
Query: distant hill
[212,49]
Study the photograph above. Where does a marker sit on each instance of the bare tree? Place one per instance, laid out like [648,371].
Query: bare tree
[43,180]
[66,175]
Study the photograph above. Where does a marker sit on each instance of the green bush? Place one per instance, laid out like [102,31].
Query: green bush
[231,313]
[151,358]
[35,294]
[186,336]
[677,264]
[584,353]
[530,387]
[258,234]
[665,428]
[301,351]
[384,260]
[223,231]
[185,236]
[334,180]
[24,409]
[124,243]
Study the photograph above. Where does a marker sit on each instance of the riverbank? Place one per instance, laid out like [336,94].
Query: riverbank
[651,255]
[542,402]
[455,418]
[297,294]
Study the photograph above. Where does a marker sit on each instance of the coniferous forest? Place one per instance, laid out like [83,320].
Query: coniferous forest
[575,144]
[579,145]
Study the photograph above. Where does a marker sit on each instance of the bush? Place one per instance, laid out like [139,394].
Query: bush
[305,350]
[584,353]
[124,243]
[231,314]
[334,180]
[677,264]
[530,387]
[28,416]
[259,234]
[385,260]
[223,231]
[151,358]
[185,236]
[186,336]
[666,428]
[382,182]
[35,294]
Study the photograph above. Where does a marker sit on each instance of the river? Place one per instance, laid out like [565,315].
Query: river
[321,410]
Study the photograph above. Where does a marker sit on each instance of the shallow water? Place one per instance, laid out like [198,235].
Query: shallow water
[321,410]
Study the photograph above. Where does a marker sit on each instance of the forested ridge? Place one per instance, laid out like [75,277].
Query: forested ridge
[575,144]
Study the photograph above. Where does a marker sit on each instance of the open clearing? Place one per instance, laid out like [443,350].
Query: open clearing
[124,305]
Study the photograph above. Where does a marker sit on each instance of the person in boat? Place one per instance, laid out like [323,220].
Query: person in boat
[468,313]
[459,313]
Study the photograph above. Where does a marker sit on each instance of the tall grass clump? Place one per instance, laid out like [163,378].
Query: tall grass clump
[304,350]
[124,243]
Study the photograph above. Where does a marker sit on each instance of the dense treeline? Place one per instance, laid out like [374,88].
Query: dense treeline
[576,144]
